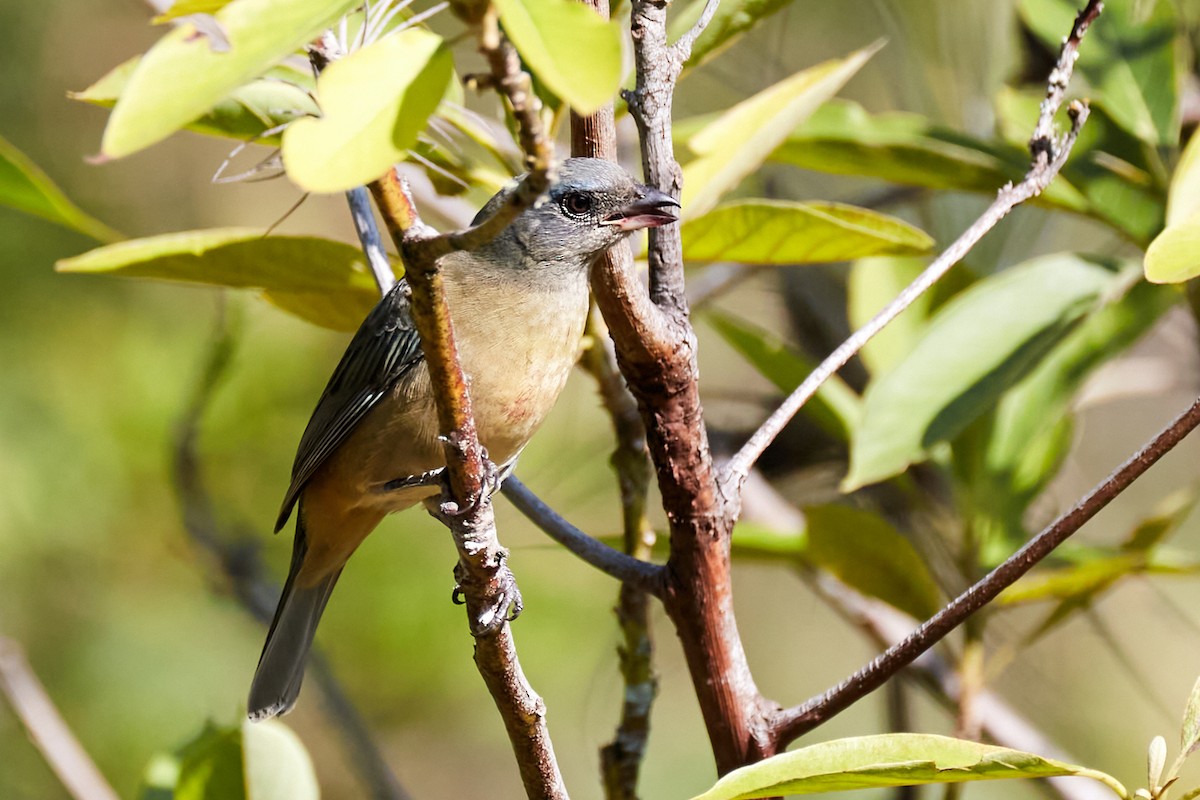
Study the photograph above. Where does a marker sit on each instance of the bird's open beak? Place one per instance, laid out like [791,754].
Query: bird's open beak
[651,209]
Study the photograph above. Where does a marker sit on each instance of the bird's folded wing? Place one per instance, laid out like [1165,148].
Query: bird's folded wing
[384,349]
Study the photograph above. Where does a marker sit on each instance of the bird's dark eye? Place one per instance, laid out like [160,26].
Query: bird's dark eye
[576,204]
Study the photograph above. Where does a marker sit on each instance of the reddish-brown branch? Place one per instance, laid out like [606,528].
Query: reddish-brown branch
[794,722]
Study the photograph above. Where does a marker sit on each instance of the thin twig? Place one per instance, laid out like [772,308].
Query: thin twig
[794,722]
[47,729]
[682,49]
[610,561]
[1049,155]
[368,236]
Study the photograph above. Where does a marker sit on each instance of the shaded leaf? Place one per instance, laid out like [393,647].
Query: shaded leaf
[568,46]
[24,187]
[1131,62]
[736,143]
[374,103]
[864,551]
[1169,515]
[871,285]
[1077,583]
[779,232]
[976,346]
[1031,431]
[246,113]
[843,138]
[835,407]
[260,33]
[894,759]
[324,281]
[732,19]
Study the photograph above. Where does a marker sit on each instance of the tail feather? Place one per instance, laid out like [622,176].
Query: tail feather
[277,680]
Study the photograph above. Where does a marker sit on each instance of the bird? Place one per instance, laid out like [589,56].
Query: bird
[518,304]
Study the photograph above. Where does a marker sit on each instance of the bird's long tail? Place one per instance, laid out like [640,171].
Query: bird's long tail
[280,670]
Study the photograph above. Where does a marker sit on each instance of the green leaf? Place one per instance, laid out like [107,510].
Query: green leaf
[1189,737]
[843,138]
[568,46]
[1174,255]
[1132,63]
[183,8]
[751,540]
[779,232]
[279,97]
[375,102]
[1031,432]
[1078,583]
[326,282]
[250,761]
[24,187]
[864,551]
[894,759]
[871,285]
[1169,515]
[740,140]
[835,407]
[260,34]
[974,349]
[732,19]
[1183,199]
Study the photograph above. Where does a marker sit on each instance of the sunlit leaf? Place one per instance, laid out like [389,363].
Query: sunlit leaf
[1174,256]
[741,139]
[974,349]
[732,19]
[250,761]
[260,33]
[1183,200]
[182,8]
[24,187]
[779,232]
[325,282]
[864,551]
[759,541]
[1131,63]
[273,100]
[871,285]
[568,46]
[835,407]
[1077,582]
[893,759]
[374,103]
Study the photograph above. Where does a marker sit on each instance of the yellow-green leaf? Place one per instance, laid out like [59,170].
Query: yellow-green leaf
[569,47]
[1174,255]
[893,759]
[1183,198]
[374,103]
[779,232]
[246,113]
[740,140]
[323,281]
[183,8]
[260,33]
[24,187]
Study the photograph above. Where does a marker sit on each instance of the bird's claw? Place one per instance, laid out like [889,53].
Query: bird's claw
[494,604]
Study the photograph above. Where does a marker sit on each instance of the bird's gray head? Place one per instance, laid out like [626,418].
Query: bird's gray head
[592,205]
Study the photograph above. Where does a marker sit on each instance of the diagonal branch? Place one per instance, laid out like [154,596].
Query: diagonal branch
[1049,152]
[794,722]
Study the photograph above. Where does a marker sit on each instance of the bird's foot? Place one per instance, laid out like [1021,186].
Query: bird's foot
[489,603]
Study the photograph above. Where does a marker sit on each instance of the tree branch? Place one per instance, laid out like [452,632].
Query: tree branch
[1049,152]
[794,722]
[47,729]
[642,574]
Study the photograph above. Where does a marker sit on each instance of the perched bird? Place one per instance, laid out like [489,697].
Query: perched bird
[519,305]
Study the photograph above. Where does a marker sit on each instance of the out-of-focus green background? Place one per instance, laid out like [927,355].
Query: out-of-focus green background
[117,613]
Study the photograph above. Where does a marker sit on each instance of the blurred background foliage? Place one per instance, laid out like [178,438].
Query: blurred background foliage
[119,615]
